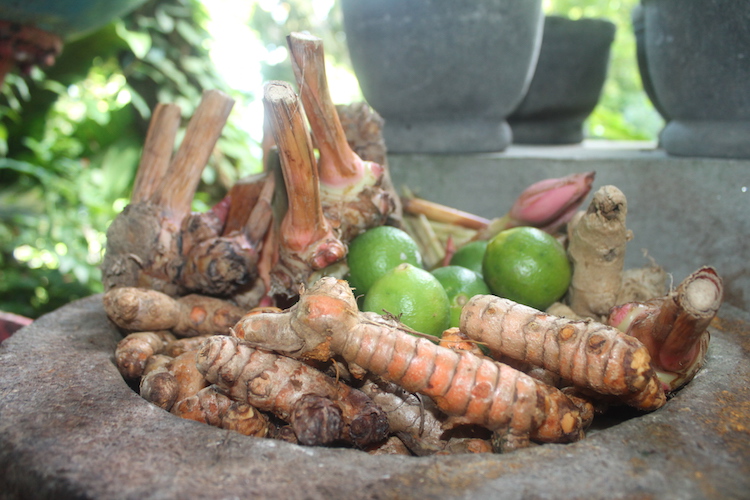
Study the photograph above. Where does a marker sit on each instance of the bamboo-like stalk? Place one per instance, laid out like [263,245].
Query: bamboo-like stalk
[176,191]
[304,221]
[338,163]
[243,197]
[306,240]
[261,216]
[157,151]
[421,231]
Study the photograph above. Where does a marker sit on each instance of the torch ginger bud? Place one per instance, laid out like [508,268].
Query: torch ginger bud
[550,203]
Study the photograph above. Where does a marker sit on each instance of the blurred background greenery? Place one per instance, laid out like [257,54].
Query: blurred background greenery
[70,135]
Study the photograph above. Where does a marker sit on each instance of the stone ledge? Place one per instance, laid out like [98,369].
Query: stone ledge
[685,212]
[589,149]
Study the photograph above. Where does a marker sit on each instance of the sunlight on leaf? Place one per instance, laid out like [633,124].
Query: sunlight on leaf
[139,43]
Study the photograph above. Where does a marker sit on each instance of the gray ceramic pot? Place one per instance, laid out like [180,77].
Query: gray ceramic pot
[697,56]
[68,18]
[444,74]
[568,81]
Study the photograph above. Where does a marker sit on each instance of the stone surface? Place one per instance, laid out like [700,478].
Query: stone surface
[698,59]
[684,212]
[567,82]
[444,74]
[70,427]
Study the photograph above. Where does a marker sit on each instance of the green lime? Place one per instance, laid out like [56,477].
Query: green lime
[377,251]
[413,295]
[460,284]
[470,256]
[527,265]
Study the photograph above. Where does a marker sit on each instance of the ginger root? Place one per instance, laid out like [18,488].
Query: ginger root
[596,248]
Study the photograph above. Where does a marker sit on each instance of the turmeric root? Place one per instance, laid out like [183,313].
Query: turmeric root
[207,406]
[185,371]
[470,389]
[246,420]
[134,351]
[172,381]
[279,385]
[586,353]
[674,327]
[454,338]
[159,387]
[456,446]
[156,362]
[474,390]
[303,330]
[214,408]
[142,309]
[408,413]
[201,315]
[183,345]
[596,248]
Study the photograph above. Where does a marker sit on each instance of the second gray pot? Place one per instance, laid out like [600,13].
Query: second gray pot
[568,81]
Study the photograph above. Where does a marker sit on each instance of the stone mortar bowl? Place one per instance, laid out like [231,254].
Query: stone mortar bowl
[70,427]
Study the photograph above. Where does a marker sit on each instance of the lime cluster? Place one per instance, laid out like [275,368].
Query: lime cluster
[386,271]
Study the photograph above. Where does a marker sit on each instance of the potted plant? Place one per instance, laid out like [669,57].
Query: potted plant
[444,74]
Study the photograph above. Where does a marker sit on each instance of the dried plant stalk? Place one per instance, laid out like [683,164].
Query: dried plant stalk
[306,240]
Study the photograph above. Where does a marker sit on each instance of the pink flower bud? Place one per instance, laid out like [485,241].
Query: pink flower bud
[550,203]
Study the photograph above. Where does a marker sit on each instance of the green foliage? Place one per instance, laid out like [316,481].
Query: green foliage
[59,181]
[70,142]
[624,111]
